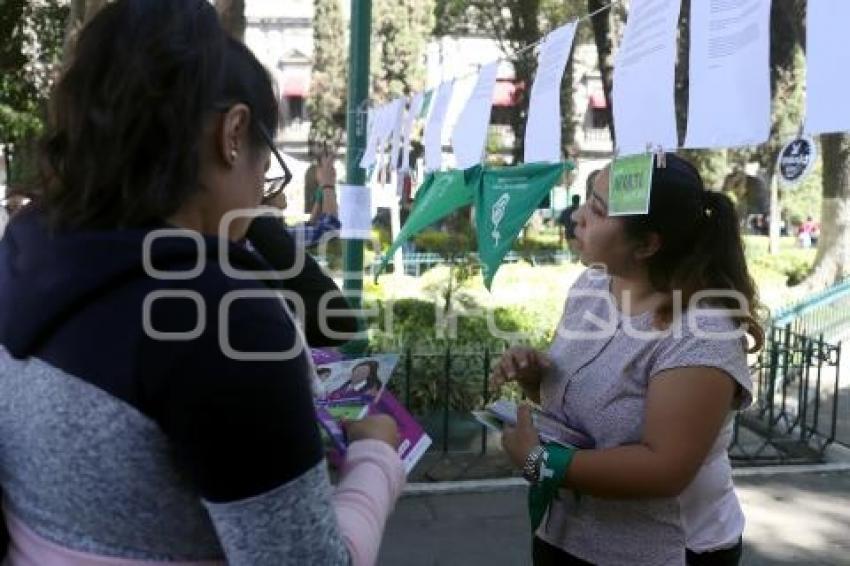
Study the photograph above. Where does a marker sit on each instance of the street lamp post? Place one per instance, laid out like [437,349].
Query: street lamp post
[358,98]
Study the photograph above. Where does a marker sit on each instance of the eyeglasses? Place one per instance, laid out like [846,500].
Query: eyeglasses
[274,185]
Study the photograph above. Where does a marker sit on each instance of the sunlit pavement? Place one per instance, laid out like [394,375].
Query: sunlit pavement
[800,519]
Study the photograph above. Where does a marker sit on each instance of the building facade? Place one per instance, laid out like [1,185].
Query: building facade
[281,35]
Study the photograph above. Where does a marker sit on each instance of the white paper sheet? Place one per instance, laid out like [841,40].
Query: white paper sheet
[461,91]
[729,73]
[378,134]
[370,153]
[645,78]
[397,120]
[406,131]
[543,128]
[354,209]
[828,61]
[469,135]
[433,136]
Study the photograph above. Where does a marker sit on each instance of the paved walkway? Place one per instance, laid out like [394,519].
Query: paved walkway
[799,519]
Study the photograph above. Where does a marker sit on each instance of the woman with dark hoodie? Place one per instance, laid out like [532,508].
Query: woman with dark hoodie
[155,399]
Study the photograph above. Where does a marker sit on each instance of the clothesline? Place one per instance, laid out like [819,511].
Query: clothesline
[516,54]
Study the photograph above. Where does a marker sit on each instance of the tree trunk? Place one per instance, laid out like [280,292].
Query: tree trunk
[832,262]
[524,76]
[683,64]
[603,36]
[526,30]
[232,15]
[568,121]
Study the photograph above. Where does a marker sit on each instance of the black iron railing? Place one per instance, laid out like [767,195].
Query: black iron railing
[795,413]
[793,418]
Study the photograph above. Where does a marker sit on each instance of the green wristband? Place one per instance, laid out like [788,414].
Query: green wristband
[553,470]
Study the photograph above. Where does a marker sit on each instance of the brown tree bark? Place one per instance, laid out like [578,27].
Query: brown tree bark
[526,30]
[603,36]
[832,261]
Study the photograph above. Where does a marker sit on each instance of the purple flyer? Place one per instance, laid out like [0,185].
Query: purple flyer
[413,440]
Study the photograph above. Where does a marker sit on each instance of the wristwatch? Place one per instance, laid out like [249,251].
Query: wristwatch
[531,469]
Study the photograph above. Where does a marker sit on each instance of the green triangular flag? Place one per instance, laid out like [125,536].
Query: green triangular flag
[441,194]
[506,198]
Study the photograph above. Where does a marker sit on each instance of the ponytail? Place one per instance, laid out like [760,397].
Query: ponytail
[701,246]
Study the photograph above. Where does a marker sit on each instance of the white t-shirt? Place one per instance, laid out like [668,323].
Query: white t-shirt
[710,512]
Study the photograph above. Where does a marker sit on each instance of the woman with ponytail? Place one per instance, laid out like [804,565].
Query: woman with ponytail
[650,360]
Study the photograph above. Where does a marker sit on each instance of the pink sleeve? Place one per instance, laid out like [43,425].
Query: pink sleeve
[372,480]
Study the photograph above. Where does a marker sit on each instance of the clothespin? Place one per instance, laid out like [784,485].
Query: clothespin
[660,158]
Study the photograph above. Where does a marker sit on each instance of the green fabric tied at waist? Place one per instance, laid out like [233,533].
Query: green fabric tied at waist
[553,470]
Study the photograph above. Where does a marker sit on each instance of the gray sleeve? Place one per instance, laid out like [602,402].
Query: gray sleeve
[294,524]
[709,338]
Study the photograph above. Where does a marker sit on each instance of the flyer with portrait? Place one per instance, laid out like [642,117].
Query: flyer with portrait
[551,429]
[352,389]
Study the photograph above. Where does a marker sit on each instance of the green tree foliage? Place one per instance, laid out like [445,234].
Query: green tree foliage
[327,99]
[33,34]
[400,33]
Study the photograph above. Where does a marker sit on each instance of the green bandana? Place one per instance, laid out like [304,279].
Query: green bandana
[441,194]
[553,470]
[506,199]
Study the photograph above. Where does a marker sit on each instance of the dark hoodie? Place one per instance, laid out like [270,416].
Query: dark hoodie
[75,300]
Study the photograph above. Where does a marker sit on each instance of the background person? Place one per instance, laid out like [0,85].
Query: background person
[149,449]
[568,226]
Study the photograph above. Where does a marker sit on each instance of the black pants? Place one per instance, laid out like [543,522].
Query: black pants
[726,557]
[544,554]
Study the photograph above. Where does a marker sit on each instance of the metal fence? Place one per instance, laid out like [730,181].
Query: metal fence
[794,416]
[826,312]
[441,387]
[825,315]
[795,412]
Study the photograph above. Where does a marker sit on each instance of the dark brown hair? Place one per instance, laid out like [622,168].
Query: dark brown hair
[373,381]
[126,116]
[701,247]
